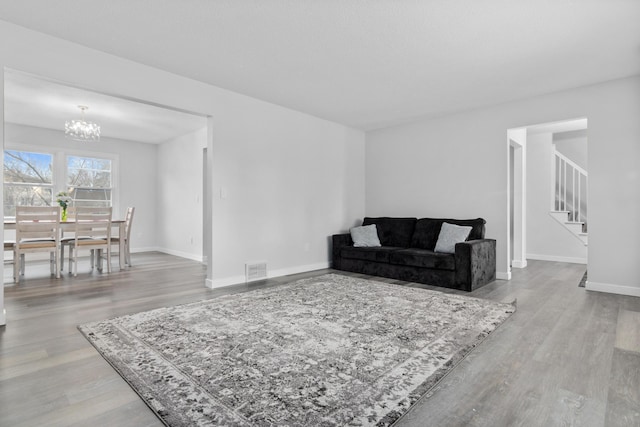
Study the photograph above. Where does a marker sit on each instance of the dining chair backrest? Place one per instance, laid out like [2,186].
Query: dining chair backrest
[128,219]
[37,223]
[93,223]
[37,230]
[71,213]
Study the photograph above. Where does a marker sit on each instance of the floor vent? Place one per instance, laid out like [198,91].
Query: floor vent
[255,271]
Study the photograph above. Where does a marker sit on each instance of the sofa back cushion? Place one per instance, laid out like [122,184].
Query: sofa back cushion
[427,230]
[393,231]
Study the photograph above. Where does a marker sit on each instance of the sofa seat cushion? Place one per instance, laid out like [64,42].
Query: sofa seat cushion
[423,258]
[376,254]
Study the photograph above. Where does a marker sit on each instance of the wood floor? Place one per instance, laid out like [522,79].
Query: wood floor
[566,357]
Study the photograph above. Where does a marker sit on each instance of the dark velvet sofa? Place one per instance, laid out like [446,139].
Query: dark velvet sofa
[407,253]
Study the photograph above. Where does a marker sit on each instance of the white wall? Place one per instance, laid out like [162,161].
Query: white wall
[547,239]
[285,193]
[291,178]
[134,179]
[180,195]
[457,166]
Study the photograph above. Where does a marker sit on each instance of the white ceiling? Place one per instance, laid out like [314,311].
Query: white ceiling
[364,63]
[33,101]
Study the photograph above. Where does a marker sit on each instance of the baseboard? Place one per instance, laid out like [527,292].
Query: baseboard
[235,280]
[299,269]
[147,249]
[180,254]
[612,289]
[555,258]
[519,264]
[3,317]
[503,275]
[226,281]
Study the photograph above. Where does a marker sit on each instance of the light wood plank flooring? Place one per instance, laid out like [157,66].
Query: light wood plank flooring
[566,357]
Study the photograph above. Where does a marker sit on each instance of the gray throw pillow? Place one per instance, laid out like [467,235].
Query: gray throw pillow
[365,236]
[450,234]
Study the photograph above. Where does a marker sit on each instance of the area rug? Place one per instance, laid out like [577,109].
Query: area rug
[324,351]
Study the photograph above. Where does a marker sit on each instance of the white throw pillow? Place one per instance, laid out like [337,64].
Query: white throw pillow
[450,234]
[365,236]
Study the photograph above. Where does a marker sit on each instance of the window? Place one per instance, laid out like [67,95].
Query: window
[33,178]
[28,180]
[89,181]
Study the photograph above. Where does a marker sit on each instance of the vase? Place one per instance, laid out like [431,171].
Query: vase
[64,214]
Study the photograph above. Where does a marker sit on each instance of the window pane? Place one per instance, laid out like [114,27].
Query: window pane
[89,181]
[75,162]
[88,172]
[84,194]
[23,166]
[25,195]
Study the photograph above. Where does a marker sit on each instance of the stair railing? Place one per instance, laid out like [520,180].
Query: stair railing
[570,188]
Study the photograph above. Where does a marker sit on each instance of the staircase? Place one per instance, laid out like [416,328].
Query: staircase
[569,197]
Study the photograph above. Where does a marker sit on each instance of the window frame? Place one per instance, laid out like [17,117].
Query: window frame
[66,175]
[60,161]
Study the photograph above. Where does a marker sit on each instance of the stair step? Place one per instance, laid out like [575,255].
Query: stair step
[574,227]
[560,216]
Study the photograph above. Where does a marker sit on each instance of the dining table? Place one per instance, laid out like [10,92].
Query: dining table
[70,224]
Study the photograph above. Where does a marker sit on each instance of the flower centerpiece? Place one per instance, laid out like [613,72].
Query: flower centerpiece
[64,200]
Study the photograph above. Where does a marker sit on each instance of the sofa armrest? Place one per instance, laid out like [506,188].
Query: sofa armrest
[475,263]
[338,242]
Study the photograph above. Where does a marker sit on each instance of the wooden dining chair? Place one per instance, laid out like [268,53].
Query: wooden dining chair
[8,247]
[66,236]
[128,219]
[37,230]
[92,232]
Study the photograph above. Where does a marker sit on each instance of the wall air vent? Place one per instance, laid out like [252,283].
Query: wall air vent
[255,271]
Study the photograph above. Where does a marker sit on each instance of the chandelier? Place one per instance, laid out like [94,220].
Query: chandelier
[81,130]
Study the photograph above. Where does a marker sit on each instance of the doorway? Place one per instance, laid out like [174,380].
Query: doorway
[546,195]
[35,109]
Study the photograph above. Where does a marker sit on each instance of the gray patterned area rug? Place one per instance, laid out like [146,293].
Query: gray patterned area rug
[325,351]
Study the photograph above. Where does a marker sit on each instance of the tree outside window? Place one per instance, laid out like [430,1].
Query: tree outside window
[89,181]
[28,180]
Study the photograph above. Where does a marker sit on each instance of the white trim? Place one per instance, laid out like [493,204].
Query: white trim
[555,258]
[300,269]
[180,254]
[503,275]
[613,289]
[3,317]
[236,280]
[519,263]
[226,281]
[147,249]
